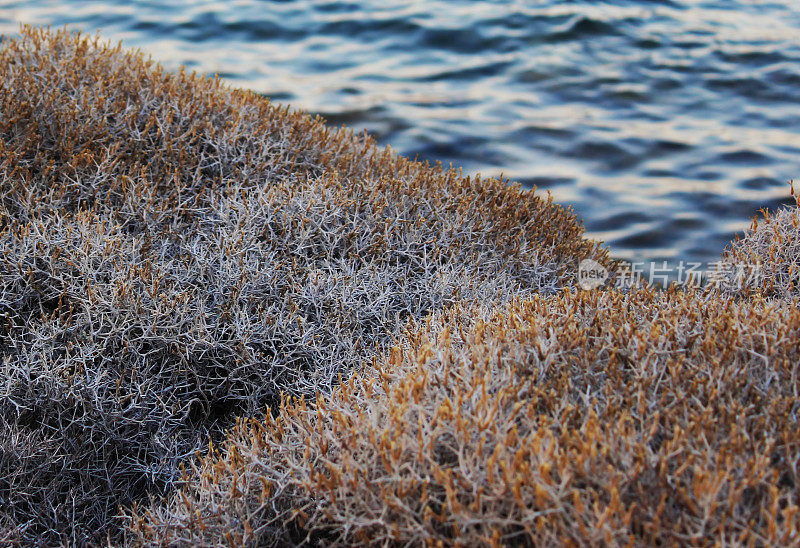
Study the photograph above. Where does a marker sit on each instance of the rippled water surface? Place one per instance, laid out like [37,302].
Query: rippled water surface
[665,124]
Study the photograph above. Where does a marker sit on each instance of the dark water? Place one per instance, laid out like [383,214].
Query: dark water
[665,124]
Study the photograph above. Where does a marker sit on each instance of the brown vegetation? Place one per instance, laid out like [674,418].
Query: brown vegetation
[175,253]
[585,418]
[766,259]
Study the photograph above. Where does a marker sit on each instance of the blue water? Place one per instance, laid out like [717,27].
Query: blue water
[665,124]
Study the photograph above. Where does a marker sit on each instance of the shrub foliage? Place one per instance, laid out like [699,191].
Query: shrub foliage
[766,259]
[175,253]
[590,418]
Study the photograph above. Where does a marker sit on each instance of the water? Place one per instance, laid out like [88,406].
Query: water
[665,124]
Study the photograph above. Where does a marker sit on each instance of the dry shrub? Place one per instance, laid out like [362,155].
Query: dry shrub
[590,418]
[175,253]
[766,259]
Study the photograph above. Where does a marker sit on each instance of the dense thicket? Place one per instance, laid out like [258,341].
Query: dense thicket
[765,260]
[588,418]
[175,253]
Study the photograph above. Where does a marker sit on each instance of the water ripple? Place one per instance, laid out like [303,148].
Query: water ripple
[665,123]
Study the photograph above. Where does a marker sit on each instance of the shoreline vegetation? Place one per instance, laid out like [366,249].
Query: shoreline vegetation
[223,323]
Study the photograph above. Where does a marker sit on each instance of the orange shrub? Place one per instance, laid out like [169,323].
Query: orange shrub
[766,259]
[586,418]
[175,253]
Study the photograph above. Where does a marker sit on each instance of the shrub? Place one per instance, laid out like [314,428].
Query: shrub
[766,259]
[175,253]
[585,418]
